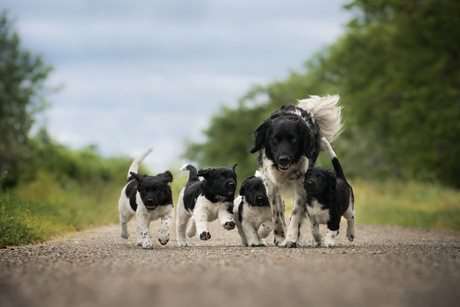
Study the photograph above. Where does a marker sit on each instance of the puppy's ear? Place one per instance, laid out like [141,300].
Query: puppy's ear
[167,176]
[205,173]
[233,166]
[137,177]
[242,189]
[260,136]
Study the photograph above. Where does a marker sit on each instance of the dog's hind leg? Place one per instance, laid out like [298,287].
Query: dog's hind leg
[125,217]
[349,215]
[182,217]
[191,230]
[316,235]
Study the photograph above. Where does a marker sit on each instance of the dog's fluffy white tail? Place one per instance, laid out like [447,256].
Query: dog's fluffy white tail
[135,165]
[327,113]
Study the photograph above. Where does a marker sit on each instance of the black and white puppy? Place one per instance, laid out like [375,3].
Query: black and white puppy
[288,143]
[252,212]
[329,197]
[205,201]
[149,198]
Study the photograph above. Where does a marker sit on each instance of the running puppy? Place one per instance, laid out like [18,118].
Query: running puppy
[252,212]
[329,197]
[149,198]
[205,201]
[288,143]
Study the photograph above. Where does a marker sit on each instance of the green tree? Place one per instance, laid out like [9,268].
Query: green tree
[397,69]
[22,90]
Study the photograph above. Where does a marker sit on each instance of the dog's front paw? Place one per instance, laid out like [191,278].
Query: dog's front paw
[351,234]
[147,245]
[278,237]
[163,241]
[205,235]
[329,244]
[229,225]
[315,243]
[182,244]
[288,244]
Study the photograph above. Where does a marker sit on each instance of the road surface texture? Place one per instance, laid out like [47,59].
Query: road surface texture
[385,266]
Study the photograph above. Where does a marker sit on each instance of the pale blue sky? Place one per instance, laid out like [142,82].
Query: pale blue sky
[145,73]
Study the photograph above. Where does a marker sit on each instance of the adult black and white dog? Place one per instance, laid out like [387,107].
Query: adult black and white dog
[252,212]
[205,201]
[289,143]
[149,198]
[329,197]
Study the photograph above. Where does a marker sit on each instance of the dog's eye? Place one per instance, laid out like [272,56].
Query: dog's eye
[275,140]
[293,140]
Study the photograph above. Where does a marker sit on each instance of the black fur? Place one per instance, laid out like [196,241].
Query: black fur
[219,184]
[154,190]
[254,191]
[331,189]
[286,136]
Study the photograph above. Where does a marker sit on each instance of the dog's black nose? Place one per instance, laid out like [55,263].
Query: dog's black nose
[285,159]
[259,199]
[310,183]
[231,184]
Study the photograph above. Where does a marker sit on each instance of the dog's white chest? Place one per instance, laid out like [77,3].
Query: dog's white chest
[318,214]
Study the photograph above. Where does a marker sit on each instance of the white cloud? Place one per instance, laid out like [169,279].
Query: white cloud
[154,72]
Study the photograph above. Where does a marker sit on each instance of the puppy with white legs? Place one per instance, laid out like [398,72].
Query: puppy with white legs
[149,198]
[205,201]
[329,197]
[252,212]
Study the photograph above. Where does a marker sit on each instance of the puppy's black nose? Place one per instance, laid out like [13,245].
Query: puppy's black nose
[150,200]
[310,183]
[231,184]
[259,199]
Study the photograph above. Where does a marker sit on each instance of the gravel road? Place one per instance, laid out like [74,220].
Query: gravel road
[385,266]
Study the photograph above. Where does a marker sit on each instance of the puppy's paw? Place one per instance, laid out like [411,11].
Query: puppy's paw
[288,244]
[315,243]
[351,234]
[125,235]
[229,225]
[329,244]
[163,241]
[205,235]
[147,245]
[182,244]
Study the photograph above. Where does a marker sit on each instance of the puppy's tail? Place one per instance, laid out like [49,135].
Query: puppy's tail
[135,165]
[327,113]
[193,174]
[335,161]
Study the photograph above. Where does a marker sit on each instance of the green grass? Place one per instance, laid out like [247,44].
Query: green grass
[49,207]
[407,204]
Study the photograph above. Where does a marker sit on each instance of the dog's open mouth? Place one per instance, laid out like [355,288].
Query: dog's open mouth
[150,207]
[283,167]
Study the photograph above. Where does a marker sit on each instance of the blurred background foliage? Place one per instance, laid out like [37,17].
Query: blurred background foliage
[396,67]
[397,70]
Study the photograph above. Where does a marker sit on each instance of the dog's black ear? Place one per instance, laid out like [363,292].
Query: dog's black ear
[137,177]
[260,136]
[167,176]
[205,173]
[233,166]
[242,189]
